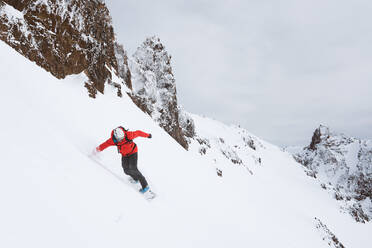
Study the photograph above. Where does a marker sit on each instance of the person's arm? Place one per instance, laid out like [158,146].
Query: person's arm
[138,133]
[105,144]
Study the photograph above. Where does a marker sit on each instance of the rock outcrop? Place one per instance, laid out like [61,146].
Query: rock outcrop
[343,165]
[70,37]
[64,37]
[154,89]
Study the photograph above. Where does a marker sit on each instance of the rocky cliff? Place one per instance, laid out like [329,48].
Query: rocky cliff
[343,165]
[64,37]
[70,37]
[154,89]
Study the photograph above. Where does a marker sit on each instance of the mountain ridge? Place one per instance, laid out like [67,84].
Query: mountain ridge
[226,170]
[343,165]
[54,188]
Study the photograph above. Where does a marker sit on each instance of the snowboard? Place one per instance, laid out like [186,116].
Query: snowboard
[148,195]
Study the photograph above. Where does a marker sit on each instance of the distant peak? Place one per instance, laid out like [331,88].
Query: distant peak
[321,133]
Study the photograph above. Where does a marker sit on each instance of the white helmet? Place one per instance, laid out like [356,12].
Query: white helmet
[119,134]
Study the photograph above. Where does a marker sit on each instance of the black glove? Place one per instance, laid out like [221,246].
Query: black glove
[150,136]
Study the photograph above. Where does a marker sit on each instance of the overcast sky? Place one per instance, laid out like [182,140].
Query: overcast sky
[277,68]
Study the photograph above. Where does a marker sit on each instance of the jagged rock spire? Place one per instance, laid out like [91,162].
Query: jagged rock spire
[154,87]
[322,132]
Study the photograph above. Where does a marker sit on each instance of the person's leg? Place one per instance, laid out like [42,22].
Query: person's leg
[134,172]
[125,165]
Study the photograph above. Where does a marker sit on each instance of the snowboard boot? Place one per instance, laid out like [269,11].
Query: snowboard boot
[143,191]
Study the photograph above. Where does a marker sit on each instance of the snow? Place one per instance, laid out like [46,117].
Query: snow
[351,158]
[227,145]
[11,12]
[54,195]
[44,3]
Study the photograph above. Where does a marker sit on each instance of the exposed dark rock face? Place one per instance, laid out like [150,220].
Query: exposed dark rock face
[343,165]
[63,37]
[315,139]
[154,89]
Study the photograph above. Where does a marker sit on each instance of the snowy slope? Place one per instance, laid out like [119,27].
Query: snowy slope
[227,146]
[53,195]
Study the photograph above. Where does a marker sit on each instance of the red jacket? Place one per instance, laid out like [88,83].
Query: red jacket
[124,147]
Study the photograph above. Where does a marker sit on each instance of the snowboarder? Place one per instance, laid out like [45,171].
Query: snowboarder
[123,140]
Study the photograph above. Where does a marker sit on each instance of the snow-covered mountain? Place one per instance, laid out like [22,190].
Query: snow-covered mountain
[70,37]
[230,188]
[154,91]
[343,165]
[54,195]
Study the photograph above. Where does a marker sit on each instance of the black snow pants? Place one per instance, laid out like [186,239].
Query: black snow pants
[129,164]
